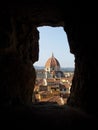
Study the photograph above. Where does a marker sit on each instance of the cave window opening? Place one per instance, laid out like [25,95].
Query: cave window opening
[55,67]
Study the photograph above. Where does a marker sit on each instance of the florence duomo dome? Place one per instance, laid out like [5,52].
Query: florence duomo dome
[52,64]
[53,67]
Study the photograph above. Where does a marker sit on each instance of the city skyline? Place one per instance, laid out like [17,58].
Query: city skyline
[53,40]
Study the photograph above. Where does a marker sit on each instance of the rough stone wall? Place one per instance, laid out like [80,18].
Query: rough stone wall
[19,50]
[82,41]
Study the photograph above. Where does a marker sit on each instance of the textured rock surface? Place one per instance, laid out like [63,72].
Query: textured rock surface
[19,49]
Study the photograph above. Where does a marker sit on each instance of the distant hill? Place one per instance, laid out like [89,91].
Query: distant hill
[67,69]
[39,67]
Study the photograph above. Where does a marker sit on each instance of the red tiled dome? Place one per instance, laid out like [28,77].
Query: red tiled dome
[52,63]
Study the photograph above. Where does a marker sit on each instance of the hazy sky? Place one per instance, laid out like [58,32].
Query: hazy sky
[54,40]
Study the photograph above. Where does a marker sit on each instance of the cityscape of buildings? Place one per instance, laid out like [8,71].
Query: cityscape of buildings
[52,84]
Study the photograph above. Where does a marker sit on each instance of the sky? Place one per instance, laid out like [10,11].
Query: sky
[54,40]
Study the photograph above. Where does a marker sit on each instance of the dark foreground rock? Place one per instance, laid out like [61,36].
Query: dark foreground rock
[45,116]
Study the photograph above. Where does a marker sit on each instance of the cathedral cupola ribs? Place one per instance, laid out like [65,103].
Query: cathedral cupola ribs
[52,64]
